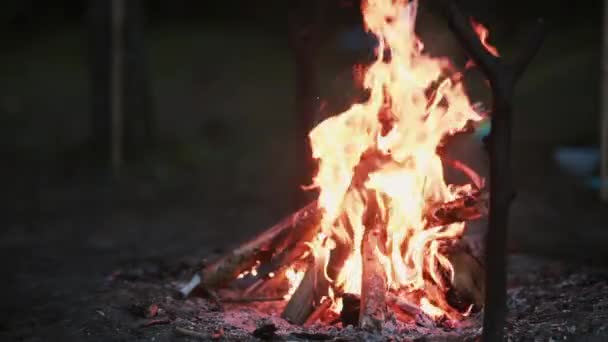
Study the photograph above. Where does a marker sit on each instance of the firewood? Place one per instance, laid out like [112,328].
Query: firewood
[373,309]
[351,306]
[295,248]
[287,237]
[466,208]
[318,312]
[301,304]
[411,310]
[502,77]
[228,267]
[309,293]
[462,209]
[468,287]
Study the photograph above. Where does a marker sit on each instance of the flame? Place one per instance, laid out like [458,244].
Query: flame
[294,278]
[387,146]
[430,309]
[484,34]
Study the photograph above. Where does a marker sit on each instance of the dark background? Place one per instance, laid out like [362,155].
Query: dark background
[214,148]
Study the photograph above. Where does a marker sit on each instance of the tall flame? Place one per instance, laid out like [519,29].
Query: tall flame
[387,147]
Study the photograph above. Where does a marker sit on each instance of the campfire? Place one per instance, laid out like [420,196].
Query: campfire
[382,240]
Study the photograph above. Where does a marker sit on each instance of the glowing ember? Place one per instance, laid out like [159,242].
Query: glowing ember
[387,147]
[253,271]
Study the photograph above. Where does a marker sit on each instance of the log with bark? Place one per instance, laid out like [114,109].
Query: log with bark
[284,238]
[404,307]
[372,312]
[229,266]
[309,294]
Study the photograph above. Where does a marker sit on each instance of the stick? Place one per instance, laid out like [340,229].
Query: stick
[410,309]
[232,264]
[318,312]
[300,227]
[373,311]
[462,209]
[502,78]
[350,309]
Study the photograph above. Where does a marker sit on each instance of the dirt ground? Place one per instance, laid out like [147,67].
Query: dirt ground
[58,268]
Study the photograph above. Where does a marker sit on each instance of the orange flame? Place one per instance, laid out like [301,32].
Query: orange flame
[388,146]
[483,33]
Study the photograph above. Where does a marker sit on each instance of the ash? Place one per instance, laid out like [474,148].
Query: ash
[548,301]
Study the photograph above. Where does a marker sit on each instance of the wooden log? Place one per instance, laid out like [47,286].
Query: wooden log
[299,227]
[318,312]
[466,208]
[228,267]
[309,293]
[410,310]
[351,307]
[468,287]
[373,309]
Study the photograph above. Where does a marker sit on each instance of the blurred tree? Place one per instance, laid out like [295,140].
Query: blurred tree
[122,117]
[306,33]
[604,110]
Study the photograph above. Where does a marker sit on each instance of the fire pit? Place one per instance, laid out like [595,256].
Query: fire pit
[382,241]
[379,255]
[380,251]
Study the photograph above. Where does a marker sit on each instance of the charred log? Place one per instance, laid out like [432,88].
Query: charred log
[309,293]
[373,276]
[351,306]
[228,267]
[286,237]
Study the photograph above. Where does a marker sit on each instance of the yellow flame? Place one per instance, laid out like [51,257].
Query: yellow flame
[415,101]
[294,278]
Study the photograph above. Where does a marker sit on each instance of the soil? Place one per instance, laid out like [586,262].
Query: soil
[99,272]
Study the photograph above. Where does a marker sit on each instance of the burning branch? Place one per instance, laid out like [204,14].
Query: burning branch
[502,78]
[284,237]
[309,294]
[279,236]
[373,280]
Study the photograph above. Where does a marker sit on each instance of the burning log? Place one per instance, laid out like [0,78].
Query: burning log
[283,238]
[318,312]
[351,307]
[309,293]
[502,78]
[466,208]
[373,277]
[228,267]
[410,309]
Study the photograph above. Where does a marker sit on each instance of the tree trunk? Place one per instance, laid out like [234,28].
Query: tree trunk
[305,30]
[98,50]
[121,119]
[139,119]
[604,109]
